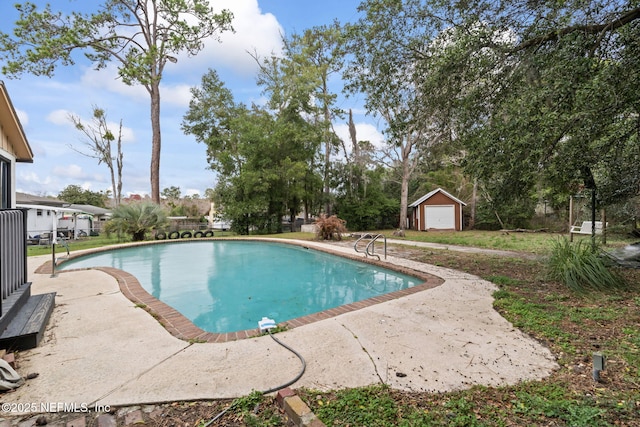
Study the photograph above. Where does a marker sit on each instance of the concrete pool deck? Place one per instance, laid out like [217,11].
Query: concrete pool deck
[101,349]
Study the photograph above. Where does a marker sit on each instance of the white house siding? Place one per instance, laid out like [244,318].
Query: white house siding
[7,178]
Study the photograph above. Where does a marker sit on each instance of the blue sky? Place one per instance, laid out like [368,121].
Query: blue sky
[44,104]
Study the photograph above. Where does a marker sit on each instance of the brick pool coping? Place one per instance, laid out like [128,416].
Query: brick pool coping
[181,327]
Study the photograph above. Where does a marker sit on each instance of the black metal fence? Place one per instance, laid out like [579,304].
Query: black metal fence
[13,252]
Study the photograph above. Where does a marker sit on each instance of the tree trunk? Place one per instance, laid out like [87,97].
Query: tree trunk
[155,142]
[355,153]
[408,165]
[118,194]
[474,198]
[292,220]
[114,187]
[326,191]
[355,149]
[404,192]
[327,157]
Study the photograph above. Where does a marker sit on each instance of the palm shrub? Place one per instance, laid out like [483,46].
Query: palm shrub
[136,219]
[581,267]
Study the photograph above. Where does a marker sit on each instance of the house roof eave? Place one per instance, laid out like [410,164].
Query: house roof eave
[13,128]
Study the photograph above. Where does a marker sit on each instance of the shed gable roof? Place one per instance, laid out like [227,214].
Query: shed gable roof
[431,194]
[12,128]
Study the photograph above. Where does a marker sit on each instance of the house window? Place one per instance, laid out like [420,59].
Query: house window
[39,212]
[5,183]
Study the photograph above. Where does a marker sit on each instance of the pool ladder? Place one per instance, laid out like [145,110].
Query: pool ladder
[370,249]
[54,260]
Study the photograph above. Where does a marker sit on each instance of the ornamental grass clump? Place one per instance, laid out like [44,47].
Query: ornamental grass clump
[581,267]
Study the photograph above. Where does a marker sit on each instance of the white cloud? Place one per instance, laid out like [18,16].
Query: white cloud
[364,132]
[23,117]
[179,94]
[128,134]
[192,191]
[254,31]
[30,178]
[86,185]
[368,132]
[359,111]
[108,79]
[59,117]
[39,151]
[69,171]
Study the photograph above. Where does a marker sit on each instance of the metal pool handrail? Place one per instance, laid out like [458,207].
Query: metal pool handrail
[370,248]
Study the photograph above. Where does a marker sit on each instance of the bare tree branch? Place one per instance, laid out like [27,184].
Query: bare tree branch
[612,25]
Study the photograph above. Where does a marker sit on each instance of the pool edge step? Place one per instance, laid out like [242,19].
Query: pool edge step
[26,329]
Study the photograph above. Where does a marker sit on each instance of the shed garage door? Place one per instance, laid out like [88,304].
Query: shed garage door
[440,217]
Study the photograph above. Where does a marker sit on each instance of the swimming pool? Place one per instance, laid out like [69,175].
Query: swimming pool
[229,285]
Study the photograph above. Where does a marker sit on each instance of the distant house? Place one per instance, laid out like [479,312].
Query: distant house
[72,220]
[215,221]
[436,210]
[91,220]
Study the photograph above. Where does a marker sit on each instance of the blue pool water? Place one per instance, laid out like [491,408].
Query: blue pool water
[227,286]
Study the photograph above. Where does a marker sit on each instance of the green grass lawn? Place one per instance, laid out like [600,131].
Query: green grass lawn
[537,243]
